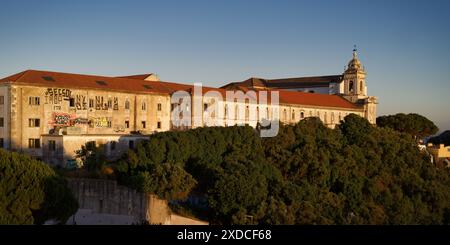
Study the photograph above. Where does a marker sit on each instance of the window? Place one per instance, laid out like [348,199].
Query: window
[267,113]
[361,86]
[284,114]
[1,143]
[143,124]
[112,145]
[247,113]
[293,115]
[34,143]
[109,123]
[91,103]
[205,107]
[127,124]
[2,122]
[302,115]
[131,144]
[102,83]
[109,103]
[350,87]
[48,79]
[51,145]
[72,102]
[159,107]
[2,100]
[34,101]
[159,125]
[257,114]
[34,122]
[226,111]
[144,106]
[127,105]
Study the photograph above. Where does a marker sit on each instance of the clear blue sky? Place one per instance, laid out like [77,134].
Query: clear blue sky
[405,45]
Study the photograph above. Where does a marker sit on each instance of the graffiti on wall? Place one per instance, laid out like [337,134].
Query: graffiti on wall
[103,104]
[81,102]
[116,104]
[67,120]
[57,95]
[101,122]
[119,129]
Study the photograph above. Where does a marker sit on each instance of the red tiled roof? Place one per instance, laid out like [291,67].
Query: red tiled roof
[315,99]
[137,85]
[58,79]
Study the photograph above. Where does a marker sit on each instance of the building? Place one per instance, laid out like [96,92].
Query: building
[440,153]
[50,115]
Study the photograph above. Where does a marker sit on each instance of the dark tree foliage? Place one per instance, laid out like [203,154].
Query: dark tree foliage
[31,192]
[308,174]
[413,124]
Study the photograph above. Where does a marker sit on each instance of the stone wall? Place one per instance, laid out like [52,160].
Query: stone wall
[104,202]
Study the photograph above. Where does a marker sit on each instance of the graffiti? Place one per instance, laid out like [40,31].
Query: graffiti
[101,122]
[119,129]
[116,104]
[61,119]
[100,103]
[57,95]
[81,103]
[67,120]
[80,121]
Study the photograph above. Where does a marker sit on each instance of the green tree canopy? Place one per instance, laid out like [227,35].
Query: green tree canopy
[31,192]
[413,124]
[307,174]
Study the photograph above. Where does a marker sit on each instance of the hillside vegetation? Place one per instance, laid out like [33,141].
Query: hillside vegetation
[308,174]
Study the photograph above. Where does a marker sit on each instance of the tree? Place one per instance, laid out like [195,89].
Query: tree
[93,157]
[31,192]
[307,174]
[413,124]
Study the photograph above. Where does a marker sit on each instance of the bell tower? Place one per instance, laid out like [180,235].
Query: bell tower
[354,79]
[354,89]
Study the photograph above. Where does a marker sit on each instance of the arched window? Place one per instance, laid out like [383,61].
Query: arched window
[332,118]
[284,115]
[226,111]
[325,119]
[293,115]
[361,89]
[302,115]
[247,113]
[127,105]
[351,87]
[257,114]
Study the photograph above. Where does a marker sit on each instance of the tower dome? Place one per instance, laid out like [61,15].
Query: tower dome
[354,64]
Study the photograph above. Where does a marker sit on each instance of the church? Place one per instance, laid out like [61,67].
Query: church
[50,115]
